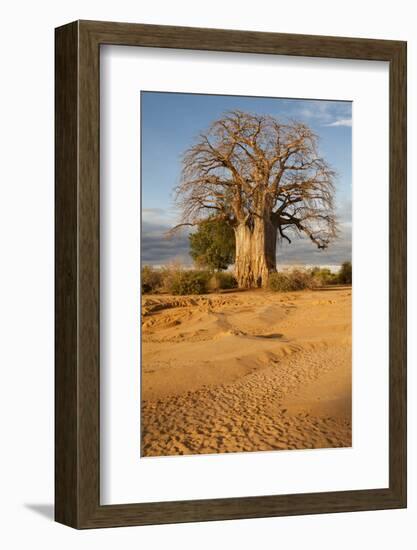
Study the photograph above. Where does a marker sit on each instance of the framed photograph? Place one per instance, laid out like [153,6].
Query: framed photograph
[230,274]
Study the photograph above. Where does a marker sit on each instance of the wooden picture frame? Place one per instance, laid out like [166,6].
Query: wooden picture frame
[77,374]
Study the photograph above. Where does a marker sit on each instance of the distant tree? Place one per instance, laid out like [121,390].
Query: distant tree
[345,273]
[213,245]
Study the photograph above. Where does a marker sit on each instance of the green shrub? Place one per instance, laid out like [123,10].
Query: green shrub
[323,276]
[299,279]
[151,279]
[168,274]
[280,282]
[187,282]
[287,281]
[222,281]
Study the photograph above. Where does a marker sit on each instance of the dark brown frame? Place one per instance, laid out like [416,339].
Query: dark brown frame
[77,373]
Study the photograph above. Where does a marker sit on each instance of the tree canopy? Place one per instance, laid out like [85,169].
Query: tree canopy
[345,273]
[213,245]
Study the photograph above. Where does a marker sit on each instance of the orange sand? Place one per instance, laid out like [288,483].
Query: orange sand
[246,371]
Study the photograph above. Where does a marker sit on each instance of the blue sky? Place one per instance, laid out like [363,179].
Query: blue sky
[170,124]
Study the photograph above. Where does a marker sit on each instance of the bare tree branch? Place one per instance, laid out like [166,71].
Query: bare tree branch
[253,169]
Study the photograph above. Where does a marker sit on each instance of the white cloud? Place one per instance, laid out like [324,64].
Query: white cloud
[325,113]
[341,122]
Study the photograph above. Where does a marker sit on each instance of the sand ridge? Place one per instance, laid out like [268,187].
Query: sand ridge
[246,371]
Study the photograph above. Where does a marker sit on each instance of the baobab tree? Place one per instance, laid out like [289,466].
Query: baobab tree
[267,180]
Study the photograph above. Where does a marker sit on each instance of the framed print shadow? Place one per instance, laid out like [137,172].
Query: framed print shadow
[230,328]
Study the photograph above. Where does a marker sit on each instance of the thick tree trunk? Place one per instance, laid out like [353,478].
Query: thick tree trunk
[255,252]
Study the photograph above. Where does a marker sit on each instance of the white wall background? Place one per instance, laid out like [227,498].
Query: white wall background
[26,274]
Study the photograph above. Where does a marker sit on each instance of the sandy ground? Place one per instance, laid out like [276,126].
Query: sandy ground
[246,371]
